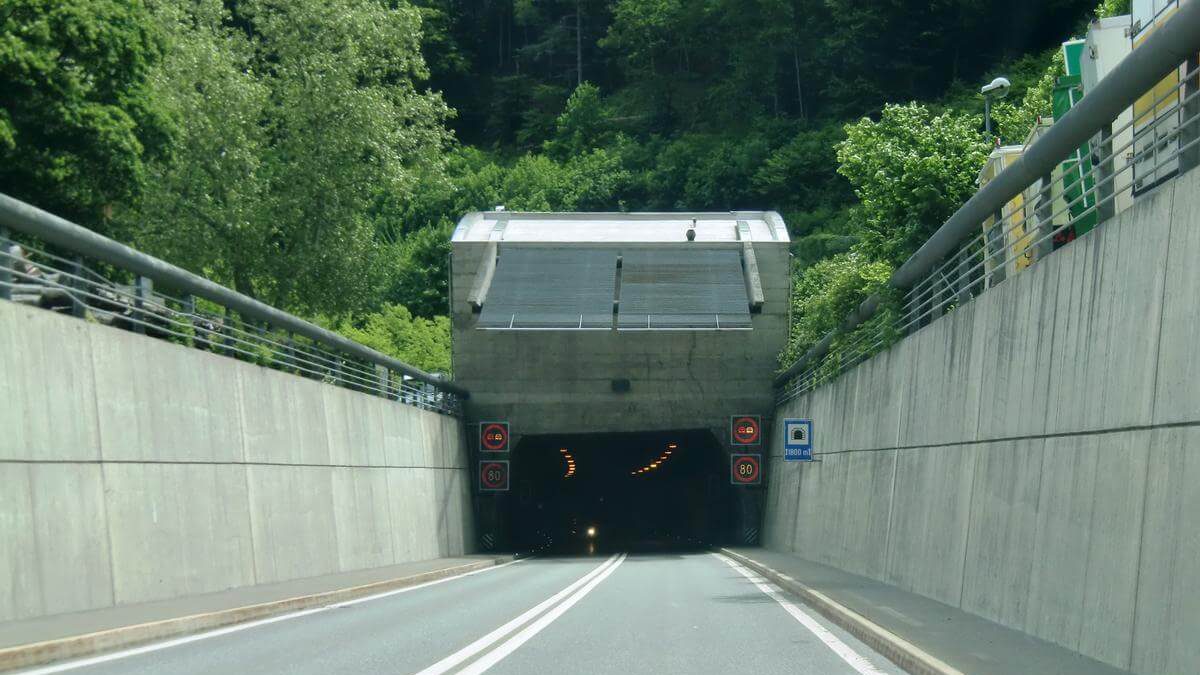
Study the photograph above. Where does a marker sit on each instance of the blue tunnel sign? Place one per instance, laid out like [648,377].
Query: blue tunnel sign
[797,440]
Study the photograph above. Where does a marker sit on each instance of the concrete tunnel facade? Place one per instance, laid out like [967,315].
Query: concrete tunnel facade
[581,325]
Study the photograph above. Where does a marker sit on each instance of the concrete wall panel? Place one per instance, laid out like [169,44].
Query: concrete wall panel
[1177,383]
[1061,542]
[195,413]
[1004,508]
[363,519]
[271,405]
[21,595]
[72,549]
[930,513]
[291,516]
[47,366]
[177,529]
[1109,598]
[1168,590]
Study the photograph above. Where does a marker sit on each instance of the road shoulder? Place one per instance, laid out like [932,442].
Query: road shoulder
[922,636]
[67,636]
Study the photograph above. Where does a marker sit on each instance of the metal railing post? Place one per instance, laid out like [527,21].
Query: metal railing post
[188,306]
[290,353]
[6,265]
[74,284]
[143,287]
[226,343]
[1106,206]
[1044,211]
[381,379]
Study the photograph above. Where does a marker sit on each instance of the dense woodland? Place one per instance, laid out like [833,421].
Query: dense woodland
[315,153]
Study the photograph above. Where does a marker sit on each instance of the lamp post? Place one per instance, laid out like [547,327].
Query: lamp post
[996,89]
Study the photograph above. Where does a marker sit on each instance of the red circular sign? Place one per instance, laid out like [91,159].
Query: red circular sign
[745,469]
[745,430]
[493,475]
[494,436]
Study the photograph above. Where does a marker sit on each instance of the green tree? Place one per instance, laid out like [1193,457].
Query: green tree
[421,276]
[302,117]
[911,170]
[76,123]
[582,126]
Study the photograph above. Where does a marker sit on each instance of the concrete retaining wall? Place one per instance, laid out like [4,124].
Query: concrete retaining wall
[1034,456]
[132,469]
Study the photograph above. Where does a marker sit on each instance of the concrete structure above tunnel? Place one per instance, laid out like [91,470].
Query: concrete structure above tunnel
[618,322]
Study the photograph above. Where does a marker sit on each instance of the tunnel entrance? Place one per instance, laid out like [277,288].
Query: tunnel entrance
[619,491]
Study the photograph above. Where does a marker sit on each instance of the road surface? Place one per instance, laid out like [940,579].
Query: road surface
[695,612]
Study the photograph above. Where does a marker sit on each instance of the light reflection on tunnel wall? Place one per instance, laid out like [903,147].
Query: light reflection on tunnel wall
[649,490]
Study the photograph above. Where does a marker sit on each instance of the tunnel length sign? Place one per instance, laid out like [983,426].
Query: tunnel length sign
[493,476]
[797,440]
[745,430]
[745,469]
[493,436]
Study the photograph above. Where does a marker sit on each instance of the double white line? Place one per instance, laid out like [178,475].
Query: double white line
[556,604]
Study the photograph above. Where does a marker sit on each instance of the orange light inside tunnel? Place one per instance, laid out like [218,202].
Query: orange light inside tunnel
[570,463]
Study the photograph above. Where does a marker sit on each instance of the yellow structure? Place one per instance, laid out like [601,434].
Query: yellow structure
[1004,233]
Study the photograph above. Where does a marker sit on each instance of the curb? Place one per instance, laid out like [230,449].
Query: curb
[91,644]
[895,648]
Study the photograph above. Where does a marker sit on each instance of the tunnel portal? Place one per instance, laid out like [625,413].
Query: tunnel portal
[610,336]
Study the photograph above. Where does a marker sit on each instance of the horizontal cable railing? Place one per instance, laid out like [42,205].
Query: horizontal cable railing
[60,266]
[1081,172]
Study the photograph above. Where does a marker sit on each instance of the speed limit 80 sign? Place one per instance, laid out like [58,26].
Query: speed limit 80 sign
[493,476]
[745,469]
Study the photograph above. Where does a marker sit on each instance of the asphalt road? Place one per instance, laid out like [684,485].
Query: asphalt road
[651,613]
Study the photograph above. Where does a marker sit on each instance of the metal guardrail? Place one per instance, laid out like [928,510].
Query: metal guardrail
[199,313]
[1036,204]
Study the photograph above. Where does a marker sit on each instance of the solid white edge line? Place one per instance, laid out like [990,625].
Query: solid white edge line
[156,646]
[855,660]
[486,641]
[510,645]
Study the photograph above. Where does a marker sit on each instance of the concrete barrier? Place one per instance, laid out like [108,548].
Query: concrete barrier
[134,470]
[1034,456]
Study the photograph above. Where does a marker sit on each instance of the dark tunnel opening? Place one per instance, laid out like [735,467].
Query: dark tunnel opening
[628,491]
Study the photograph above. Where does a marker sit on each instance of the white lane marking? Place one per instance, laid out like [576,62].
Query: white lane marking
[509,646]
[486,641]
[156,646]
[854,659]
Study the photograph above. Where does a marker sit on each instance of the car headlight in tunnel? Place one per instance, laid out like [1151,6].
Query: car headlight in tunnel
[591,531]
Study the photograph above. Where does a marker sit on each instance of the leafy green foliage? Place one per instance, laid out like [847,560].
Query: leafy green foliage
[421,280]
[289,138]
[76,125]
[1113,8]
[911,170]
[825,293]
[420,342]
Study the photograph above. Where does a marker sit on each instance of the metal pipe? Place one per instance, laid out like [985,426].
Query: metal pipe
[48,227]
[1162,52]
